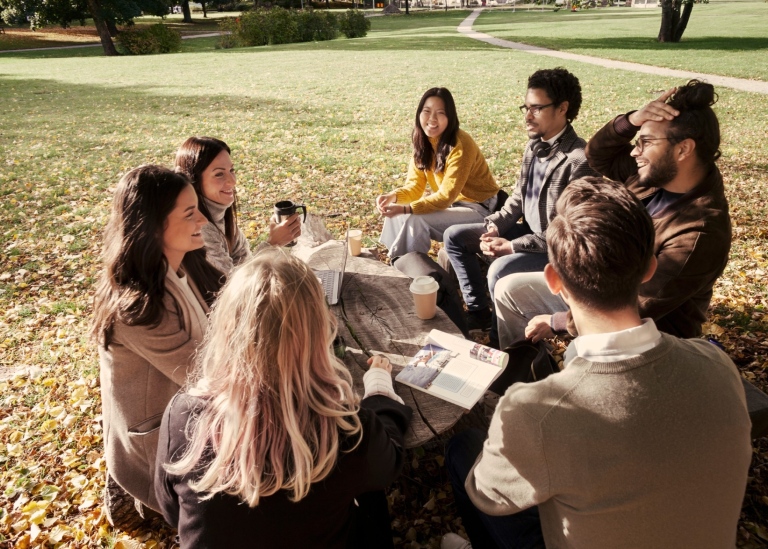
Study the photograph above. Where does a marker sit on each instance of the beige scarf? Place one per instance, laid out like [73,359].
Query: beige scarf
[191,303]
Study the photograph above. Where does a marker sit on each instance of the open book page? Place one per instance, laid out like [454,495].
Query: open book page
[449,372]
[469,348]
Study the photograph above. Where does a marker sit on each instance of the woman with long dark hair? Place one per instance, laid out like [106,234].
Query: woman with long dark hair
[446,158]
[150,313]
[208,164]
[270,445]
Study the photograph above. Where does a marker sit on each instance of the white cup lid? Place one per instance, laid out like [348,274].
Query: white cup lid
[355,233]
[424,285]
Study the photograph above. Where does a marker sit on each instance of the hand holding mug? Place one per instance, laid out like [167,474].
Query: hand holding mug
[282,233]
[284,210]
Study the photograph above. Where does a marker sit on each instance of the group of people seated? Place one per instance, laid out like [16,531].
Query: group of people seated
[225,408]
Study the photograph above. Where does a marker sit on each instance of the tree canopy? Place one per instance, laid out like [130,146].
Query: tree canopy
[106,14]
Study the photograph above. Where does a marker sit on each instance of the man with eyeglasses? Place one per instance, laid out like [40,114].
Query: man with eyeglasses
[671,168]
[514,236]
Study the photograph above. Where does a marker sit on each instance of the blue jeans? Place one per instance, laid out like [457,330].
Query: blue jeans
[519,531]
[462,243]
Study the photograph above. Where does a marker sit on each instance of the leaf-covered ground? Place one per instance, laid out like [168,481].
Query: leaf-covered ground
[329,128]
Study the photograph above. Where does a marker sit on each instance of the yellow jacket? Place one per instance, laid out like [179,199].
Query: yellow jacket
[466,177]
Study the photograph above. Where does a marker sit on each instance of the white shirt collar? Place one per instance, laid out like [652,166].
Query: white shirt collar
[552,140]
[615,346]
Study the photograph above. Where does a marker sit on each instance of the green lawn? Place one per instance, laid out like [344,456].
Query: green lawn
[325,124]
[727,38]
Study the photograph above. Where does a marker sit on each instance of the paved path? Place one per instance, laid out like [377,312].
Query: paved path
[743,84]
[93,44]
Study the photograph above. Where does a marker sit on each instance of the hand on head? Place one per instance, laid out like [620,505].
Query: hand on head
[539,328]
[284,232]
[380,361]
[655,111]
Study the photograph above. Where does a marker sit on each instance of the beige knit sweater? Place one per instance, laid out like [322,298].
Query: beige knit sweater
[217,250]
[649,452]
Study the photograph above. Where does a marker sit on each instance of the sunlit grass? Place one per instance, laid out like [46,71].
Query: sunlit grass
[325,124]
[727,38]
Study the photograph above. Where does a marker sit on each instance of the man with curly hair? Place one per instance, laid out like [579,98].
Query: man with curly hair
[671,167]
[514,236]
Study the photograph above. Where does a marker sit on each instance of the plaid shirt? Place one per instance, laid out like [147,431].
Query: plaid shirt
[567,164]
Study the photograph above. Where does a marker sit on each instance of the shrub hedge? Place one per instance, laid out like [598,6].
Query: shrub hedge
[261,27]
[148,40]
[354,24]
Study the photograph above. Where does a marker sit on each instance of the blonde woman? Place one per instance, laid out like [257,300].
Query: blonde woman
[270,445]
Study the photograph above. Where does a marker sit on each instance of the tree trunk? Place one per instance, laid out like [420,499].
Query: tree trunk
[686,15]
[112,28]
[101,27]
[670,15]
[205,11]
[406,8]
[186,11]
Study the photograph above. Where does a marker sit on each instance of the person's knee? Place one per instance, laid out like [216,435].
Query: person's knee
[452,237]
[504,289]
[496,271]
[460,238]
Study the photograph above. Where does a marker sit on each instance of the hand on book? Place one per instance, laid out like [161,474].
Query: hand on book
[380,361]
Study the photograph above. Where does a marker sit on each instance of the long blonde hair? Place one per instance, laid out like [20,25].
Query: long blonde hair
[277,401]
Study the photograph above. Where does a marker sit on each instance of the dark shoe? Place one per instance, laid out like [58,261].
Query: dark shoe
[479,320]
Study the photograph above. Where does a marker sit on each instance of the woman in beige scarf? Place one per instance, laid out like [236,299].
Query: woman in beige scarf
[150,313]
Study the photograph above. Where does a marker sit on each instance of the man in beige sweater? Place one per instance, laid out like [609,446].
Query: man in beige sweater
[641,441]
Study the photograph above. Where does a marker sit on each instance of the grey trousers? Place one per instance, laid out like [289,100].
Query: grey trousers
[518,298]
[413,233]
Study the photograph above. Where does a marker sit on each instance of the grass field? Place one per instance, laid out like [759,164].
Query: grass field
[727,38]
[325,124]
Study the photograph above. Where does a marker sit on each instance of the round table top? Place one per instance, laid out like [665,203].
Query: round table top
[376,316]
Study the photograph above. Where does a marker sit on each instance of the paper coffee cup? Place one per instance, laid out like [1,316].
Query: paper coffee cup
[355,242]
[424,291]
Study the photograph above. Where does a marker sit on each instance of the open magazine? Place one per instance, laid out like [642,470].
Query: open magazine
[454,369]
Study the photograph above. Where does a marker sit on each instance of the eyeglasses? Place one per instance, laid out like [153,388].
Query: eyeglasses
[535,110]
[642,142]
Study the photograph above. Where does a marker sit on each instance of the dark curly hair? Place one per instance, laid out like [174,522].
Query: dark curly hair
[560,86]
[696,120]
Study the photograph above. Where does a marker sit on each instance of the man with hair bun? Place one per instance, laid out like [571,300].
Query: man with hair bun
[642,440]
[671,168]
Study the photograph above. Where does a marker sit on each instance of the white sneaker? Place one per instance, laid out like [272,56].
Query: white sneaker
[454,541]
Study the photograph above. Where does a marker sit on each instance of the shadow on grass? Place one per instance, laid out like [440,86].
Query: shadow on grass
[562,18]
[715,43]
[110,118]
[423,44]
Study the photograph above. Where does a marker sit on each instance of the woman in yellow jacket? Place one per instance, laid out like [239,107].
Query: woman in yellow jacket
[463,189]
